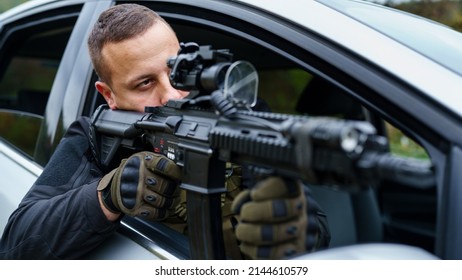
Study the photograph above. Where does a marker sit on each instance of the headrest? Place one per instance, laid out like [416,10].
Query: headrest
[321,98]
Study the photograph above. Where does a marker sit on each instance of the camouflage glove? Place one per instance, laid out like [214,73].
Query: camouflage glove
[144,185]
[272,219]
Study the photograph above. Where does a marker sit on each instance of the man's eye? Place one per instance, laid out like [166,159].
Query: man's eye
[145,83]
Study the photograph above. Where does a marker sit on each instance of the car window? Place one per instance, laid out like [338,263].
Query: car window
[30,58]
[281,88]
[402,145]
[20,128]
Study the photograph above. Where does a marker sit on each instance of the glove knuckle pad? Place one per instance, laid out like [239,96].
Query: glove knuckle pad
[162,165]
[267,234]
[279,209]
[152,198]
[129,179]
[160,185]
[150,213]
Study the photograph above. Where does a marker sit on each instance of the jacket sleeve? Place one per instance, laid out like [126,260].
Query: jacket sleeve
[60,217]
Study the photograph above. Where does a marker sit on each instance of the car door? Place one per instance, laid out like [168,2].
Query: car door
[32,48]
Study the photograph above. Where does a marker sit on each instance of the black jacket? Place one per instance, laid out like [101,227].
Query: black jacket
[60,217]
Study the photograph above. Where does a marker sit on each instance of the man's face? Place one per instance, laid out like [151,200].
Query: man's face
[139,75]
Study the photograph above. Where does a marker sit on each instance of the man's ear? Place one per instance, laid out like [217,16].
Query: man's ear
[106,92]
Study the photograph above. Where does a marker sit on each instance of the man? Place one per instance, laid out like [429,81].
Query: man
[74,206]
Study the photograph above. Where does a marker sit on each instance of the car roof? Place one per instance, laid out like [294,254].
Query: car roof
[421,34]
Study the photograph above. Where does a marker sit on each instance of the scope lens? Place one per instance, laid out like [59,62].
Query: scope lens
[241,83]
[213,77]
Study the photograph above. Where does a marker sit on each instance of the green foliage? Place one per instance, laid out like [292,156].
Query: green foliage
[281,88]
[402,145]
[8,4]
[15,125]
[448,12]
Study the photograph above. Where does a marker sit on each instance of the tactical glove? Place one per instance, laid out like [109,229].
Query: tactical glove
[272,219]
[144,185]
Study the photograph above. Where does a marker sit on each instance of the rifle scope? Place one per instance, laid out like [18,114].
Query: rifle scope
[202,70]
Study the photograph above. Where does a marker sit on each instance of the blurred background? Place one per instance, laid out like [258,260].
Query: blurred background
[8,4]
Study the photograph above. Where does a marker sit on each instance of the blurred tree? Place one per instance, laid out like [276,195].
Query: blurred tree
[448,12]
[8,4]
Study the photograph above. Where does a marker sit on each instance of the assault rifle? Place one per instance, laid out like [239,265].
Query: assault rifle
[203,132]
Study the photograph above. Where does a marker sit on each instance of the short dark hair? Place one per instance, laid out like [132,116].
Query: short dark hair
[116,24]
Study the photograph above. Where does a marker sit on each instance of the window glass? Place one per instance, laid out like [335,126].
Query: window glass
[281,88]
[27,83]
[29,62]
[20,128]
[402,145]
[295,91]
[30,68]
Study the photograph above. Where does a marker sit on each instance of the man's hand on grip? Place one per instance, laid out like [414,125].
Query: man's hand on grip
[144,185]
[272,219]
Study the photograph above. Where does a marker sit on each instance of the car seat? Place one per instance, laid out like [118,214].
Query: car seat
[353,217]
[32,101]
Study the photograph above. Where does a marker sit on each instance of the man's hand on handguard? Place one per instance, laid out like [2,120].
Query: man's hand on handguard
[272,219]
[144,185]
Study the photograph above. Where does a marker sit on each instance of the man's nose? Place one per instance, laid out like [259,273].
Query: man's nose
[169,92]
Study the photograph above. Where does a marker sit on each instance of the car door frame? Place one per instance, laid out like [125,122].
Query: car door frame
[72,79]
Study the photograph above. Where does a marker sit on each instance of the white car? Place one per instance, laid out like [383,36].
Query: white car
[349,59]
